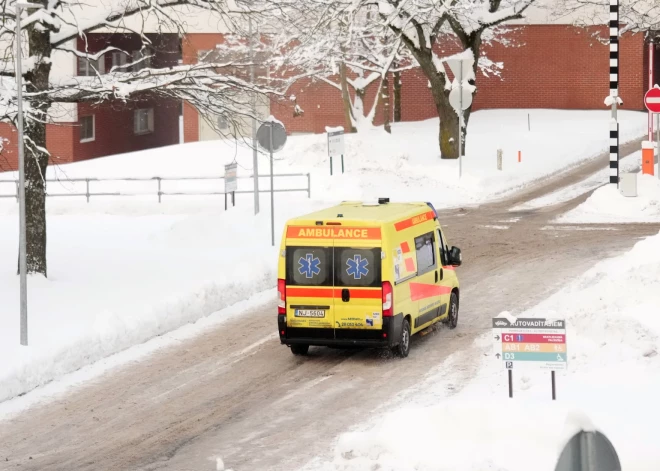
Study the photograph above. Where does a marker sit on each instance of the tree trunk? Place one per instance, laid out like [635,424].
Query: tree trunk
[397,97]
[450,129]
[448,137]
[36,160]
[346,99]
[385,97]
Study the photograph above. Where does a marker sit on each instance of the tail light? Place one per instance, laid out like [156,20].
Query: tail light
[281,290]
[388,299]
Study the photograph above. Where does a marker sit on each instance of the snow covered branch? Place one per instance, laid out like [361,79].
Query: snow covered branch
[634,15]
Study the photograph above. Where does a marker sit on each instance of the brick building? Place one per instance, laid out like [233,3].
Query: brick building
[546,66]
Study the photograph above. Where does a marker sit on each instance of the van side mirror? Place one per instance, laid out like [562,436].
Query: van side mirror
[455,257]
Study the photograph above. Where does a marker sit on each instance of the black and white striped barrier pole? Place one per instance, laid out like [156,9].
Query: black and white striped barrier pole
[614,90]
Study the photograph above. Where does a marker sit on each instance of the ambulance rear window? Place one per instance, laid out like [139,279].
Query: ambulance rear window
[357,267]
[309,266]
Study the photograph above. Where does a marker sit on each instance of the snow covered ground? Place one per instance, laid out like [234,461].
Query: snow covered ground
[125,269]
[613,378]
[608,205]
[601,178]
[405,163]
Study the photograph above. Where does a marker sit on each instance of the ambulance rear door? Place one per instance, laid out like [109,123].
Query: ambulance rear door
[309,289]
[358,286]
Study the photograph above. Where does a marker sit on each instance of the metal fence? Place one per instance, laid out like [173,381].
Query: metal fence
[158,183]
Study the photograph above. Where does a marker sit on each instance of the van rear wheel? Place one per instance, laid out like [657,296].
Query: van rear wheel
[403,348]
[298,349]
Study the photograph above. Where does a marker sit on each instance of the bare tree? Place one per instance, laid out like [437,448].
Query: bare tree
[634,15]
[209,87]
[346,49]
[426,25]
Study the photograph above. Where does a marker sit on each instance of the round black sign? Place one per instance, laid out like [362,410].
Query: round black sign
[278,137]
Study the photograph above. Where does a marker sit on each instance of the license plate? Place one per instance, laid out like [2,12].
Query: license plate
[309,313]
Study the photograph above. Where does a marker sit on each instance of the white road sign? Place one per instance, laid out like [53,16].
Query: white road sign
[530,343]
[231,180]
[455,98]
[335,143]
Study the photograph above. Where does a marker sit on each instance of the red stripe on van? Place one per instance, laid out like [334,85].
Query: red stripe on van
[359,293]
[405,248]
[413,221]
[422,291]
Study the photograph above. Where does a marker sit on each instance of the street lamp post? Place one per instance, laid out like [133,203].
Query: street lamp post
[22,251]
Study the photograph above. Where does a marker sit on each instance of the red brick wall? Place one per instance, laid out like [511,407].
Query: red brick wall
[190,124]
[190,45]
[58,143]
[562,67]
[323,106]
[114,128]
[549,66]
[9,155]
[114,121]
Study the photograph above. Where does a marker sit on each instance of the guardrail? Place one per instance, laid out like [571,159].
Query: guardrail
[158,187]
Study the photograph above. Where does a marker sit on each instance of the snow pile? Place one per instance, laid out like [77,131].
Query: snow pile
[613,381]
[601,178]
[118,280]
[608,205]
[404,165]
[125,269]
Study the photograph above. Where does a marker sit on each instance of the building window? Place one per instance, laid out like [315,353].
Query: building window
[89,67]
[223,123]
[143,121]
[141,59]
[119,59]
[87,128]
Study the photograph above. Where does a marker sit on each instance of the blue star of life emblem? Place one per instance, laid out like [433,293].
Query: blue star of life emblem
[357,267]
[309,266]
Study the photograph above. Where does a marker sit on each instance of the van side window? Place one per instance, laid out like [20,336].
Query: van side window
[425,248]
[443,249]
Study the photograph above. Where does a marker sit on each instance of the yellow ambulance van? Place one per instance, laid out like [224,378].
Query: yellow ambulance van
[367,275]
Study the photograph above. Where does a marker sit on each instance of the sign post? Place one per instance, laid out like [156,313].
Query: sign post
[614,99]
[460,99]
[530,343]
[231,182]
[652,103]
[336,145]
[272,137]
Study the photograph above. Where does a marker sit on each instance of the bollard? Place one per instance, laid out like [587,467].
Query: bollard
[648,158]
[499,159]
[519,156]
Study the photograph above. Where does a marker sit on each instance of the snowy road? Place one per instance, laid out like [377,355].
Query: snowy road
[236,393]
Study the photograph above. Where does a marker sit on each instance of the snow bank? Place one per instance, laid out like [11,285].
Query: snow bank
[404,165]
[612,385]
[601,178]
[608,205]
[117,281]
[125,269]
